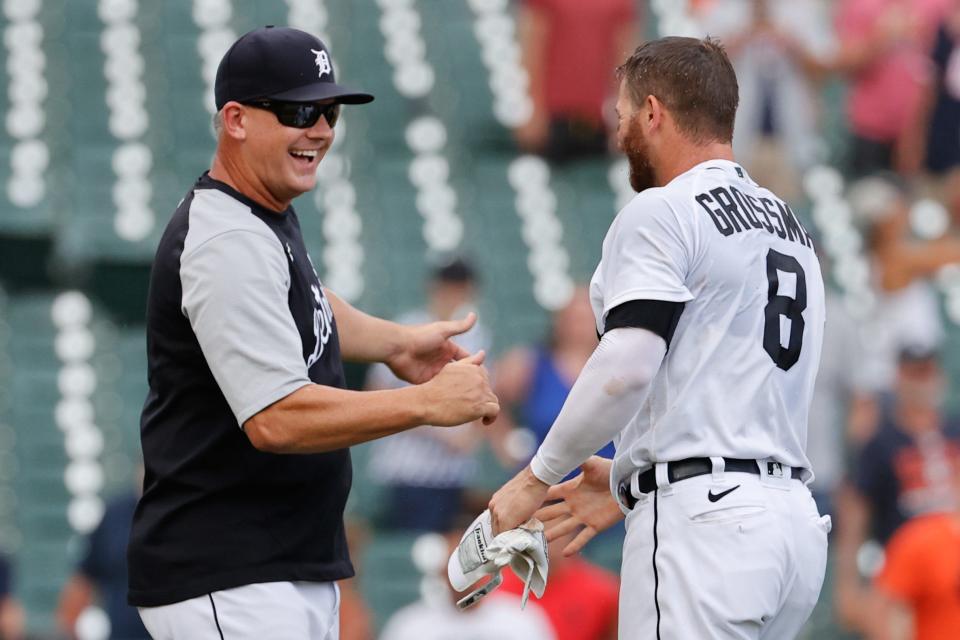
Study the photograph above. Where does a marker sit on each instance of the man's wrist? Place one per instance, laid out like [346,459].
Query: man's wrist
[532,479]
[397,339]
[416,404]
[542,473]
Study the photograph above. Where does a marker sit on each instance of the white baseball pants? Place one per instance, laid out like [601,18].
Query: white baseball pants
[280,610]
[748,564]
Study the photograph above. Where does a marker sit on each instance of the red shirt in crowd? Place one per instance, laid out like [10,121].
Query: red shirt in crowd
[580,56]
[581,600]
[884,96]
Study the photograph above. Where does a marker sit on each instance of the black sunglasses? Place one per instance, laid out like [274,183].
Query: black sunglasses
[301,115]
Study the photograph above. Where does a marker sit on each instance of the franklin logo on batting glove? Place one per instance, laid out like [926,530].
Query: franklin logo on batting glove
[479,554]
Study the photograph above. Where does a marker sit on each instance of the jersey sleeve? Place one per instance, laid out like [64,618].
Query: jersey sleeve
[235,289]
[646,255]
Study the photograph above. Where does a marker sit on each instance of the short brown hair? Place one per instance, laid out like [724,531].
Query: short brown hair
[693,78]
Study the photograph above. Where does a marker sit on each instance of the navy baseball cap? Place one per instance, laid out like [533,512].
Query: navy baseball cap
[912,352]
[280,63]
[454,269]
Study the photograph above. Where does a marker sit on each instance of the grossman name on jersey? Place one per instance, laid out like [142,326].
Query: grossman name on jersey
[733,211]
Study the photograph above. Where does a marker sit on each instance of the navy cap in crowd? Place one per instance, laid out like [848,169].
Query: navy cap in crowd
[454,269]
[280,63]
[911,352]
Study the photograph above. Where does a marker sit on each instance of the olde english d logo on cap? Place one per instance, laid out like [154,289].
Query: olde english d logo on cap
[322,61]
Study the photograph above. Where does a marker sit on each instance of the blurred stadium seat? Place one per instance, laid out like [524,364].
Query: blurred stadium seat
[388,578]
[42,557]
[61,451]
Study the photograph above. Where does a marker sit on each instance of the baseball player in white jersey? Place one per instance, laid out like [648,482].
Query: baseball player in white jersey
[710,304]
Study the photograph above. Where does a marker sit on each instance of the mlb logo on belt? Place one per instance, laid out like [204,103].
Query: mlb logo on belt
[774,470]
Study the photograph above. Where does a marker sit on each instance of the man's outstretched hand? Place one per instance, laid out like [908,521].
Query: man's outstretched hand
[585,502]
[426,348]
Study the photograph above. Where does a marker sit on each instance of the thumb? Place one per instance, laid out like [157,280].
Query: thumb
[562,490]
[556,492]
[456,327]
[593,464]
[476,358]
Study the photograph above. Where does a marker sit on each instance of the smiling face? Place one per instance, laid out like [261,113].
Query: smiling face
[282,159]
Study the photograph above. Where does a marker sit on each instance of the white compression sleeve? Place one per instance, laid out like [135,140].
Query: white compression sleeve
[607,394]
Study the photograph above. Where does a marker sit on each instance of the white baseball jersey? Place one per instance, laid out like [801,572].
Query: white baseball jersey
[739,372]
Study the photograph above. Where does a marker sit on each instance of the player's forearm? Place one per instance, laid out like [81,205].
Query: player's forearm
[607,394]
[363,337]
[315,418]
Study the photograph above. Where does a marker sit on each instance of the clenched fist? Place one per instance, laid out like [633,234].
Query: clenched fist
[461,393]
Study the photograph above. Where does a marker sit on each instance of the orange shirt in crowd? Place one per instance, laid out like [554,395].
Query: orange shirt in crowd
[581,600]
[922,570]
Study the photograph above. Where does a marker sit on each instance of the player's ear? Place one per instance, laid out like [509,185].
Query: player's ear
[233,119]
[653,113]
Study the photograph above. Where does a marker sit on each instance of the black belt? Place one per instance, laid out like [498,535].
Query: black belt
[692,467]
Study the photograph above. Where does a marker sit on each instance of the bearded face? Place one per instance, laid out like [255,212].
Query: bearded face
[633,143]
[635,147]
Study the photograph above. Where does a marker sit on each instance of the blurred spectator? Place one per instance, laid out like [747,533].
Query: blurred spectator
[918,584]
[581,599]
[883,51]
[495,617]
[907,309]
[570,49]
[426,470]
[905,470]
[932,144]
[101,575]
[780,48]
[533,383]
[12,620]
[842,399]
